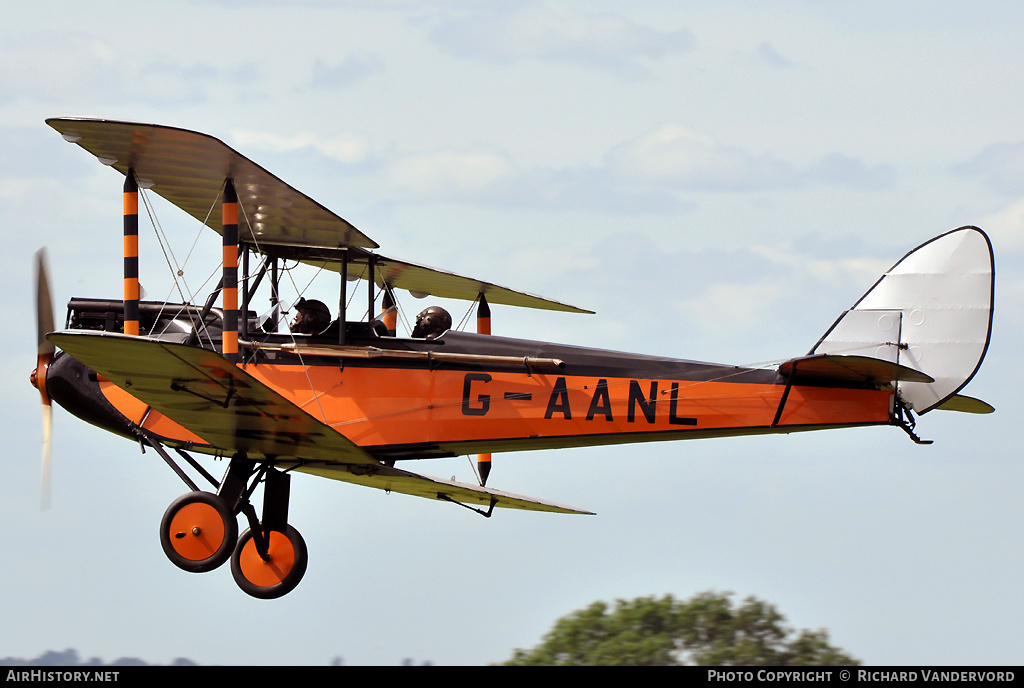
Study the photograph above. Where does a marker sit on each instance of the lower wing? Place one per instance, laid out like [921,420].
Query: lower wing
[227,407]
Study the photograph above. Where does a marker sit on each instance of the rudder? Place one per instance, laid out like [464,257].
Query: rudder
[932,311]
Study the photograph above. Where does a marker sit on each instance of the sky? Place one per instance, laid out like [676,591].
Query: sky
[717,180]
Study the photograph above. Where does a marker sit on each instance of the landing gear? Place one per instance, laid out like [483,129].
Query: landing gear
[198,532]
[905,419]
[277,572]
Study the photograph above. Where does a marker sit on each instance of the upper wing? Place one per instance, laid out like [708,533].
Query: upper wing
[420,280]
[189,168]
[218,401]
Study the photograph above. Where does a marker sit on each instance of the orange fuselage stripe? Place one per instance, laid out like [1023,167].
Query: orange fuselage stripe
[387,406]
[377,407]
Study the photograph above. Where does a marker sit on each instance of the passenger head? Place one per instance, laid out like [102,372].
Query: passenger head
[311,317]
[432,322]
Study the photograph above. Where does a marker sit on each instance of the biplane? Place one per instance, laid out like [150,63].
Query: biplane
[352,399]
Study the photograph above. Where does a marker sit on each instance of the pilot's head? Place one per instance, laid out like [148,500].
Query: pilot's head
[311,317]
[432,322]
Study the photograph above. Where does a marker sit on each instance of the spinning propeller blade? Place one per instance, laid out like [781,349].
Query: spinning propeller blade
[44,498]
[44,306]
[44,354]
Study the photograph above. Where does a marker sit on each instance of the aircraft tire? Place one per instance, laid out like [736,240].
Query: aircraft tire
[268,580]
[198,532]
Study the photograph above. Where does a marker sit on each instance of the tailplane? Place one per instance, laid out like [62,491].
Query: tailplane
[931,312]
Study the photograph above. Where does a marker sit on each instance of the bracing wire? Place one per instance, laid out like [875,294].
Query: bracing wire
[177,269]
[464,323]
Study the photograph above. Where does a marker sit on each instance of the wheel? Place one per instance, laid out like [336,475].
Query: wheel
[198,532]
[278,576]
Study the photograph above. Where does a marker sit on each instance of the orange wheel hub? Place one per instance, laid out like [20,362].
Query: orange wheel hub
[197,531]
[262,573]
[279,572]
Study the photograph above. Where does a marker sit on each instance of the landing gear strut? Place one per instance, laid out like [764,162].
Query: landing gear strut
[199,530]
[270,557]
[905,420]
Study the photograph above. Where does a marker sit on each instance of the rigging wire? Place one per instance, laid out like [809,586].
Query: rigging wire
[177,270]
[206,220]
[161,239]
[465,318]
[472,467]
[401,313]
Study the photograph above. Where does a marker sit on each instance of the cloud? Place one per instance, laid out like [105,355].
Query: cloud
[462,175]
[168,80]
[662,171]
[767,54]
[836,168]
[56,66]
[550,32]
[850,267]
[1001,165]
[1006,227]
[596,188]
[679,158]
[345,74]
[87,69]
[342,148]
[675,157]
[488,177]
[724,301]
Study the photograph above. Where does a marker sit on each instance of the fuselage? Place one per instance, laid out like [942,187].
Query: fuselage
[463,393]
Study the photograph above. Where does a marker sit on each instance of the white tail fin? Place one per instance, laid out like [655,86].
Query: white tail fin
[932,311]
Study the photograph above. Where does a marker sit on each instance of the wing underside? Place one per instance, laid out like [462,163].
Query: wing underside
[423,280]
[189,168]
[221,403]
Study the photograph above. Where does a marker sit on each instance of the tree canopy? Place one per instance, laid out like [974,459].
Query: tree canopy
[704,630]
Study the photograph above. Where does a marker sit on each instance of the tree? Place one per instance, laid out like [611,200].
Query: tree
[704,630]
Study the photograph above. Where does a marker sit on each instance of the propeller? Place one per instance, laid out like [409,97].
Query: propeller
[44,354]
